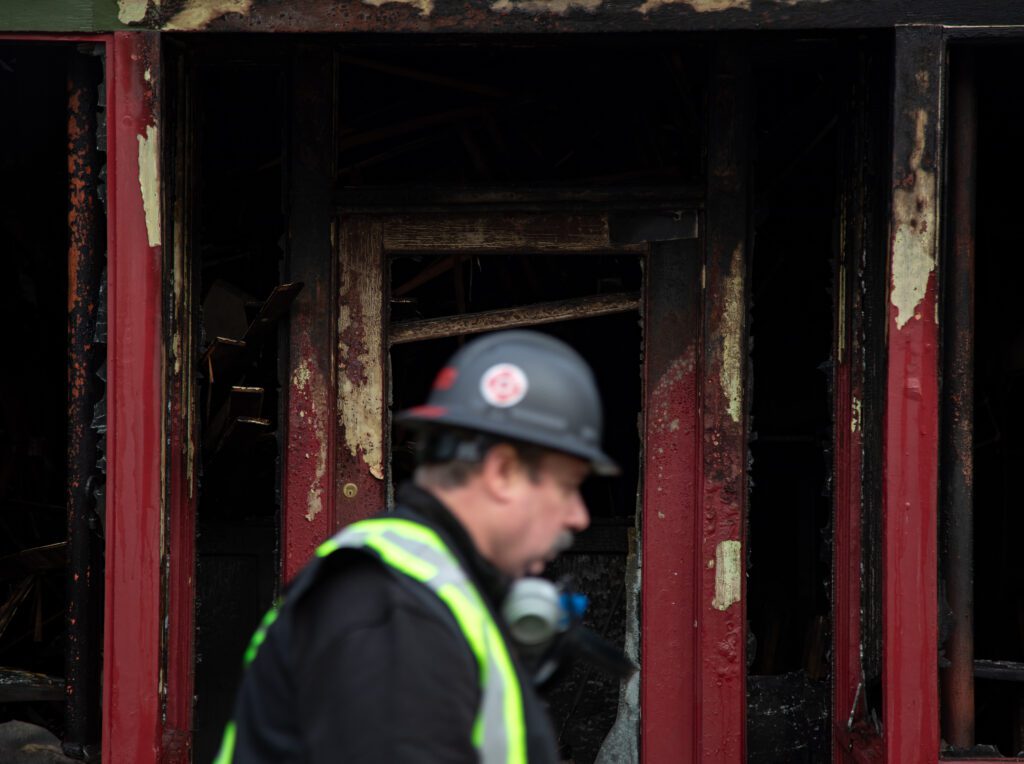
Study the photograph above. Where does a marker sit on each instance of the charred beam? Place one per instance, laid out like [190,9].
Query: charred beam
[442,199]
[529,16]
[527,315]
[958,415]
[85,574]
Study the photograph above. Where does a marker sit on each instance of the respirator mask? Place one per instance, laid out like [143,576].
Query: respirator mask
[545,621]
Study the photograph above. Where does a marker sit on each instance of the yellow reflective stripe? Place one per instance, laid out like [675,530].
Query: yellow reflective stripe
[227,746]
[470,622]
[259,635]
[401,559]
[515,721]
[473,617]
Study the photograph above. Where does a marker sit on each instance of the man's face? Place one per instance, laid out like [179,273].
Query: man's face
[547,509]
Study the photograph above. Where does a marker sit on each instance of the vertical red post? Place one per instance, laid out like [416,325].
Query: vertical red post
[911,445]
[131,666]
[860,261]
[671,469]
[307,473]
[721,589]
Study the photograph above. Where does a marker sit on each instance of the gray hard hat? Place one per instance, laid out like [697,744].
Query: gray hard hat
[521,385]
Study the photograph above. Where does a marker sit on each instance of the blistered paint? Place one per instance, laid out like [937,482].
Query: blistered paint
[426,6]
[149,182]
[915,227]
[361,406]
[728,574]
[554,7]
[733,355]
[662,418]
[314,396]
[197,14]
[131,11]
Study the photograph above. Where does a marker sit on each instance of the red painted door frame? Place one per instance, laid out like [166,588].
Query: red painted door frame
[911,447]
[132,725]
[132,680]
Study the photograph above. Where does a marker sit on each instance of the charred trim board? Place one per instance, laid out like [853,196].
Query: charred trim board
[307,484]
[670,524]
[721,590]
[911,443]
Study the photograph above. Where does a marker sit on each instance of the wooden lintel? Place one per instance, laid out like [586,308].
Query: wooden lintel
[527,315]
[482,233]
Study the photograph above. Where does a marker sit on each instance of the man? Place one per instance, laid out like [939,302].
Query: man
[390,646]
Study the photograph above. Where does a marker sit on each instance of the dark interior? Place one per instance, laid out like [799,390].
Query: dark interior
[238,239]
[789,523]
[998,402]
[33,385]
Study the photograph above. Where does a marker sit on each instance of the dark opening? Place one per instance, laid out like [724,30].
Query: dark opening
[789,532]
[34,441]
[516,111]
[998,405]
[583,700]
[239,228]
[519,112]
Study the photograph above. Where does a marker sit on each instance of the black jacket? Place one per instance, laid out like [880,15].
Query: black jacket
[363,664]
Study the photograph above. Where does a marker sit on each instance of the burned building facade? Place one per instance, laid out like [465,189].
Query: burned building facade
[238,234]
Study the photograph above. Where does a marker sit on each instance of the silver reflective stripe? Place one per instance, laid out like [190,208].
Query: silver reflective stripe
[499,734]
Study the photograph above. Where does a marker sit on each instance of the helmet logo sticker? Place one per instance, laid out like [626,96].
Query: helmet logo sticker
[503,385]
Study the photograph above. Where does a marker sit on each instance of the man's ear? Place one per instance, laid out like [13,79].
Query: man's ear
[501,471]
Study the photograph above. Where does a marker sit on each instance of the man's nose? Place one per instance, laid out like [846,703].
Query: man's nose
[579,518]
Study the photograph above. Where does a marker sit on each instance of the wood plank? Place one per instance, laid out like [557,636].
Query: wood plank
[362,444]
[307,486]
[519,233]
[453,16]
[34,560]
[911,441]
[135,518]
[721,589]
[543,199]
[25,686]
[526,315]
[671,460]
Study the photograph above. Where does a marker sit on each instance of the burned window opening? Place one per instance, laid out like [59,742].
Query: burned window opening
[994,413]
[500,112]
[789,519]
[239,230]
[583,701]
[52,416]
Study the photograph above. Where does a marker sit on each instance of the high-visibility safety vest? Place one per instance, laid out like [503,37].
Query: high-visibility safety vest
[411,548]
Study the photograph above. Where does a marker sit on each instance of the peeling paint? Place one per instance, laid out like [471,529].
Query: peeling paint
[915,226]
[701,6]
[733,355]
[149,182]
[728,575]
[426,6]
[554,7]
[361,407]
[302,388]
[197,14]
[131,11]
[855,415]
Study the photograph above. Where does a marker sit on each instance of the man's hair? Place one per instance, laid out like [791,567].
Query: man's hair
[450,458]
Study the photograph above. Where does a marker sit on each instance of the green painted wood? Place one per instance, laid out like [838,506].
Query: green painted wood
[59,16]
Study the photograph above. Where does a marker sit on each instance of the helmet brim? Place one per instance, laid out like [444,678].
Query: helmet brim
[427,416]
